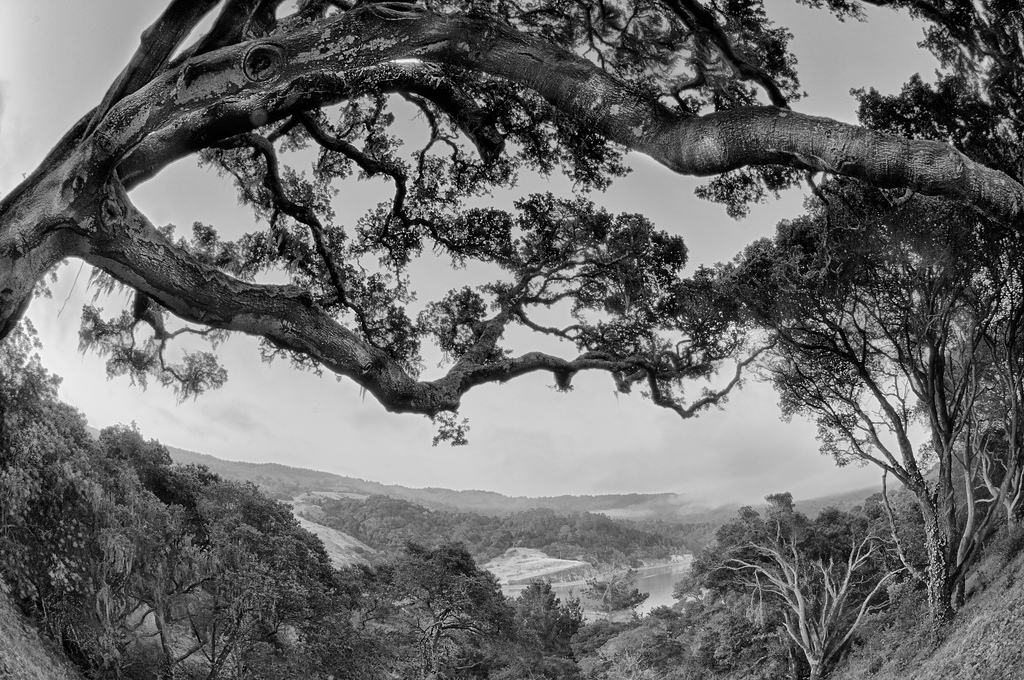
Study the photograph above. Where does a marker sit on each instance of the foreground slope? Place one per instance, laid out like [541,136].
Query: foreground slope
[24,653]
[984,642]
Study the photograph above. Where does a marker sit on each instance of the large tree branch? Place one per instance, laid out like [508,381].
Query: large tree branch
[126,245]
[157,44]
[238,20]
[234,89]
[231,90]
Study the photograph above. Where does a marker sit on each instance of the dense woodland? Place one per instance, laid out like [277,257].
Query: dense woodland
[388,523]
[141,568]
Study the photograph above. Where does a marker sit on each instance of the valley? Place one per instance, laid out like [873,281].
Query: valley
[361,522]
[576,592]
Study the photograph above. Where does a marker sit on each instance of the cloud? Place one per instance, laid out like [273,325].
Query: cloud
[240,418]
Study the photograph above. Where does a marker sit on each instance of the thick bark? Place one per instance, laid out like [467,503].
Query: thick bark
[218,94]
[75,204]
[940,582]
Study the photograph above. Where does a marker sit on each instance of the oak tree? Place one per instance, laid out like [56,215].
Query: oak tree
[448,605]
[705,88]
[896,329]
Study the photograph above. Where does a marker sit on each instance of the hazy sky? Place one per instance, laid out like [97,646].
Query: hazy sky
[56,60]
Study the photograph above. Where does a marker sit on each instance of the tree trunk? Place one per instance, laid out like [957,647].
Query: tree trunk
[166,669]
[939,575]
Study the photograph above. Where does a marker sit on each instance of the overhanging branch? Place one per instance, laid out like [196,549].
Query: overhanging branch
[218,95]
[132,250]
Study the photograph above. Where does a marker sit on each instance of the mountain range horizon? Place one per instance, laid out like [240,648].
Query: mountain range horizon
[286,482]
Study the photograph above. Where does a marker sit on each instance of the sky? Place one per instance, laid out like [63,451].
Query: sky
[58,57]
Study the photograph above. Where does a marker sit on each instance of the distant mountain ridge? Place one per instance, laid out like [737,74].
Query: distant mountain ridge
[287,482]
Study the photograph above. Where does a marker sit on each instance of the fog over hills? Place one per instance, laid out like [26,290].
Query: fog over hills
[286,482]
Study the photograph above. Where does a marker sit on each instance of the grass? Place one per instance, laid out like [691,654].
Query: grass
[24,653]
[984,642]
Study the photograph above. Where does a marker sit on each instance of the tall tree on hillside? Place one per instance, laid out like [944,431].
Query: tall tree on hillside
[448,604]
[887,317]
[261,576]
[546,626]
[53,508]
[502,87]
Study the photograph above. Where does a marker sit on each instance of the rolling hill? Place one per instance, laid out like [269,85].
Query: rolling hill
[286,482]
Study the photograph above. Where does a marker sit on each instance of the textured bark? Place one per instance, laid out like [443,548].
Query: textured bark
[940,583]
[75,204]
[214,95]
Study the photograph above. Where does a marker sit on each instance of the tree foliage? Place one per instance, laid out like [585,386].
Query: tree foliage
[135,565]
[895,302]
[890,317]
[616,594]
[792,590]
[291,102]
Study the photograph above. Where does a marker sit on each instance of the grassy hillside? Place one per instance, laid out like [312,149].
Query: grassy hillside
[984,642]
[24,654]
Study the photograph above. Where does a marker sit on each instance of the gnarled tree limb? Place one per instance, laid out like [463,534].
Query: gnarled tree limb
[214,96]
[76,204]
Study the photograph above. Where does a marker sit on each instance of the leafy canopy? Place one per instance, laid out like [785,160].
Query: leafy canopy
[292,102]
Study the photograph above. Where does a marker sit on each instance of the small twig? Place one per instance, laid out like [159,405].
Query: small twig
[73,284]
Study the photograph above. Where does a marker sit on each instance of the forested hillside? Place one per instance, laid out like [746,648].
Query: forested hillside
[389,523]
[286,482]
[137,568]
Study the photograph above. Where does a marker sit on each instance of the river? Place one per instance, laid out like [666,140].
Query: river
[657,581]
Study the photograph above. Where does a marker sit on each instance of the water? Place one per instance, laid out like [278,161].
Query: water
[657,581]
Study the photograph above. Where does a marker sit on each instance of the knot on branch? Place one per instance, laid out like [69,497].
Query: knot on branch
[263,62]
[112,209]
